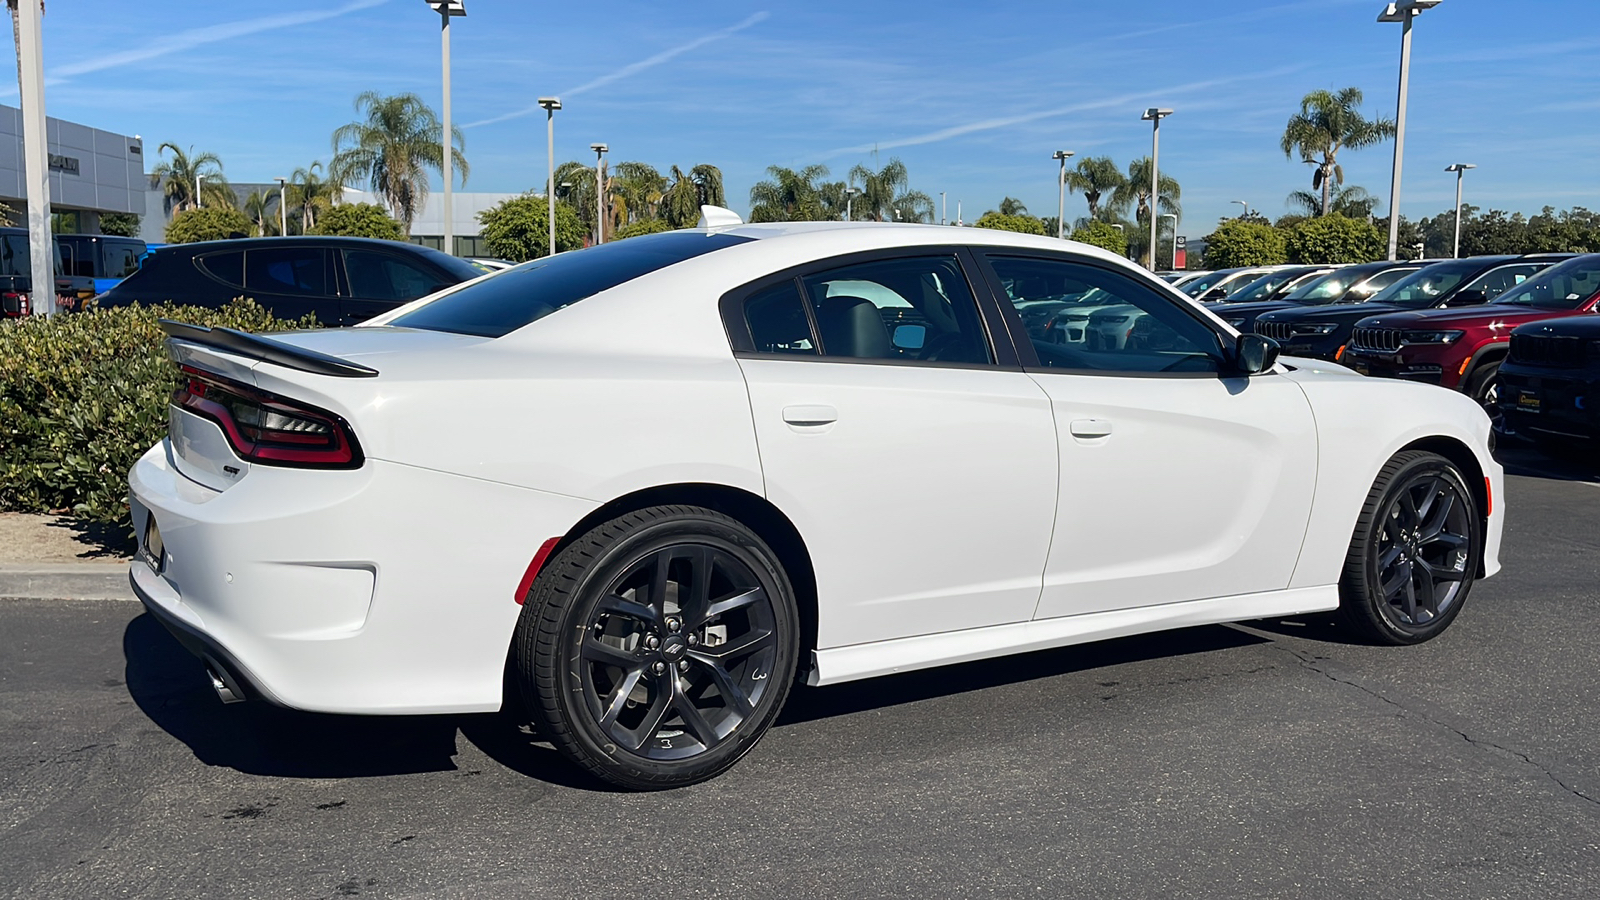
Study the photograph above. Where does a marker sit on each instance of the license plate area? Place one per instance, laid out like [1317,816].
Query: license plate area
[152,549]
[1529,401]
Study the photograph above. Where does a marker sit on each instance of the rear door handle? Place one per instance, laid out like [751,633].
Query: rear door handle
[810,415]
[1091,428]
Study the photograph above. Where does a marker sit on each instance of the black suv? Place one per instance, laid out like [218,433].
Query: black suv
[1550,383]
[342,280]
[16,275]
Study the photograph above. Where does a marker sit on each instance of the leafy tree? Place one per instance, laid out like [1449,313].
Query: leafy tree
[310,195]
[392,149]
[261,209]
[886,194]
[1574,231]
[208,223]
[120,224]
[1327,123]
[681,201]
[367,220]
[1101,234]
[1352,202]
[1335,239]
[1021,223]
[1094,177]
[1240,243]
[518,229]
[646,226]
[180,174]
[789,195]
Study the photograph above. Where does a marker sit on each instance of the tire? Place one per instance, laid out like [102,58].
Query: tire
[1412,561]
[643,692]
[1484,387]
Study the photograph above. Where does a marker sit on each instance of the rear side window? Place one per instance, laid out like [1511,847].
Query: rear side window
[778,322]
[226,267]
[503,303]
[287,270]
[384,276]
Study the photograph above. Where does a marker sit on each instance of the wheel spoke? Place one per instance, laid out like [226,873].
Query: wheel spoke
[1410,597]
[1408,504]
[694,720]
[596,650]
[700,564]
[659,579]
[1388,557]
[731,693]
[1438,517]
[742,598]
[1426,598]
[619,698]
[1402,574]
[656,715]
[1453,542]
[611,603]
[741,646]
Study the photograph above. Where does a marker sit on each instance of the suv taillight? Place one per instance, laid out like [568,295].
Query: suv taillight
[266,428]
[15,303]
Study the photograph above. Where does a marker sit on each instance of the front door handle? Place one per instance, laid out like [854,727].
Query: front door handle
[810,415]
[1091,428]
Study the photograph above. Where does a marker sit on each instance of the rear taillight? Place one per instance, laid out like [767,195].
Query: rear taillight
[266,428]
[15,303]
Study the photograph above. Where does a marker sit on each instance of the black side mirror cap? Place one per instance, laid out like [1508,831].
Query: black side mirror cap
[1254,354]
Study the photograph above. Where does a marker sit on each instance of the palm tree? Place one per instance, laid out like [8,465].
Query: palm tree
[913,206]
[1095,176]
[260,208]
[887,190]
[180,174]
[634,190]
[1352,202]
[681,202]
[1327,123]
[1011,206]
[789,196]
[310,194]
[1135,192]
[392,149]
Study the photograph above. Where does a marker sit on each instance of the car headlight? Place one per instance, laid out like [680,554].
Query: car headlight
[1429,337]
[1311,329]
[1235,323]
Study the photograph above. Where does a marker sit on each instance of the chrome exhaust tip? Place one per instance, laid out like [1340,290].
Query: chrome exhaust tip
[227,691]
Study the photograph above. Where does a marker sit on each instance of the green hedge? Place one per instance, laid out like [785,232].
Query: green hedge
[84,395]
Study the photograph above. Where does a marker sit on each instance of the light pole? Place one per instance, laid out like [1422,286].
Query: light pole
[943,208]
[1246,205]
[1154,115]
[35,152]
[1402,11]
[1460,169]
[551,104]
[197,203]
[849,200]
[599,191]
[1061,193]
[283,206]
[1174,240]
[447,9]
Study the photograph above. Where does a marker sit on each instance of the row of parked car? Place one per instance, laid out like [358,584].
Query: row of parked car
[1513,332]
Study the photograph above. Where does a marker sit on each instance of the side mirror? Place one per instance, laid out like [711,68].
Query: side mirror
[1254,354]
[910,337]
[1469,298]
[1214,295]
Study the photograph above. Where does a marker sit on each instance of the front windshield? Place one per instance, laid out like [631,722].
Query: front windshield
[1565,286]
[1422,288]
[1262,287]
[1206,282]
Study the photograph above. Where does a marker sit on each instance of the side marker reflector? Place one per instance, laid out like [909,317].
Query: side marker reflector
[533,569]
[1488,493]
[1338,354]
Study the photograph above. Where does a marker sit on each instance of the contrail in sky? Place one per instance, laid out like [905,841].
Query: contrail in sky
[210,34]
[632,69]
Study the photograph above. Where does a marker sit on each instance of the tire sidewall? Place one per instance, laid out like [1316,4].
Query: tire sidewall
[1379,608]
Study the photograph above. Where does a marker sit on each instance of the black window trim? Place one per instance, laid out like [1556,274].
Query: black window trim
[1024,344]
[995,334]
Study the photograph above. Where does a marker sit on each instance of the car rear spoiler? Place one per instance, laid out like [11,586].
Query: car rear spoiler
[266,350]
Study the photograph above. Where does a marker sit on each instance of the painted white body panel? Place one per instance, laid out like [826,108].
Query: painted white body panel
[927,508]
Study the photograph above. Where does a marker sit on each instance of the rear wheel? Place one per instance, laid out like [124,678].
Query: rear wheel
[1415,551]
[656,649]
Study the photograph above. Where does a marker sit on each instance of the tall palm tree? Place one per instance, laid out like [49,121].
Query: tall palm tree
[392,149]
[634,190]
[261,208]
[912,206]
[1327,123]
[681,201]
[790,195]
[1135,192]
[180,174]
[889,189]
[311,194]
[1095,176]
[1352,202]
[1011,206]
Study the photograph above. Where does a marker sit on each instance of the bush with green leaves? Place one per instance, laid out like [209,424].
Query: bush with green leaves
[641,227]
[1103,235]
[120,224]
[1336,239]
[519,229]
[208,223]
[1240,242]
[367,220]
[84,395]
[1022,224]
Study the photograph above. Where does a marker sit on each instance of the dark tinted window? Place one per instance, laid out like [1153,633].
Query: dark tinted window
[914,309]
[1564,286]
[778,322]
[502,304]
[384,276]
[122,260]
[226,267]
[287,270]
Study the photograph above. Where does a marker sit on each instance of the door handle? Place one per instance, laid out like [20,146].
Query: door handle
[810,415]
[1091,428]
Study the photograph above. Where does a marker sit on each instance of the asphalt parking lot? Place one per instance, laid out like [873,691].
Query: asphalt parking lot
[1263,760]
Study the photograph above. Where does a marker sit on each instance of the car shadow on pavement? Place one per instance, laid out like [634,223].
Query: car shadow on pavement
[808,704]
[1523,459]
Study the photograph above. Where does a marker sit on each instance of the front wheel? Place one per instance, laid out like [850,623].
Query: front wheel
[1415,551]
[656,649]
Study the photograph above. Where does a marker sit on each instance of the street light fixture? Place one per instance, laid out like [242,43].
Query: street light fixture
[447,9]
[283,206]
[551,104]
[1174,241]
[1402,11]
[943,207]
[1460,169]
[599,191]
[1154,115]
[1246,205]
[1061,193]
[849,198]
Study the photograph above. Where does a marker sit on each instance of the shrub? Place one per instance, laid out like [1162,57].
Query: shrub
[1003,222]
[1239,242]
[1336,239]
[83,396]
[643,226]
[1103,235]
[120,224]
[367,220]
[208,223]
[519,229]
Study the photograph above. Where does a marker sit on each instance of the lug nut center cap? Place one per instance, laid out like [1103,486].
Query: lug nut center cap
[673,648]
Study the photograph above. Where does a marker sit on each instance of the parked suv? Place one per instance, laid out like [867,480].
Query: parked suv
[1323,332]
[342,280]
[1463,348]
[105,258]
[1216,286]
[16,275]
[1550,383]
[1347,284]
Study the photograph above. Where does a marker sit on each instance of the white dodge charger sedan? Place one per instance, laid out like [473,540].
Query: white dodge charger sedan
[643,488]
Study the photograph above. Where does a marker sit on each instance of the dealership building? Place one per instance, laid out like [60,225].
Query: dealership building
[91,171]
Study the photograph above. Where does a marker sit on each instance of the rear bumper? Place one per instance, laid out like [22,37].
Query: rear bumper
[1550,403]
[387,589]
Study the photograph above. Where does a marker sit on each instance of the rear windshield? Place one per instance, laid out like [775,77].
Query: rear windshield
[503,303]
[1564,286]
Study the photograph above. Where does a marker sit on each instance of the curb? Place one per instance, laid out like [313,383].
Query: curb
[66,581]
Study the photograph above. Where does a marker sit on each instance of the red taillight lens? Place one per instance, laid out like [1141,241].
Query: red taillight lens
[266,428]
[15,304]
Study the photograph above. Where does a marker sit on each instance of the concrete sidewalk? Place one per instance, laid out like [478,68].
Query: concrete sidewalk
[66,581]
[54,558]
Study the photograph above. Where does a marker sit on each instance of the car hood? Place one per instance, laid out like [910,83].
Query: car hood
[1250,309]
[1492,315]
[1331,312]
[1570,327]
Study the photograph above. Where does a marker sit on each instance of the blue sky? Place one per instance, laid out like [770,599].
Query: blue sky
[974,98]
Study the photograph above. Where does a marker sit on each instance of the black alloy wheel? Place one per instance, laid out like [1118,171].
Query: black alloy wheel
[1415,551]
[658,648]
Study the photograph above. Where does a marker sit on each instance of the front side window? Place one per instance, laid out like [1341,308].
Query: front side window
[1118,325]
[287,270]
[914,309]
[122,260]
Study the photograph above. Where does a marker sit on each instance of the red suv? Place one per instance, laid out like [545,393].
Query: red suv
[1463,348]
